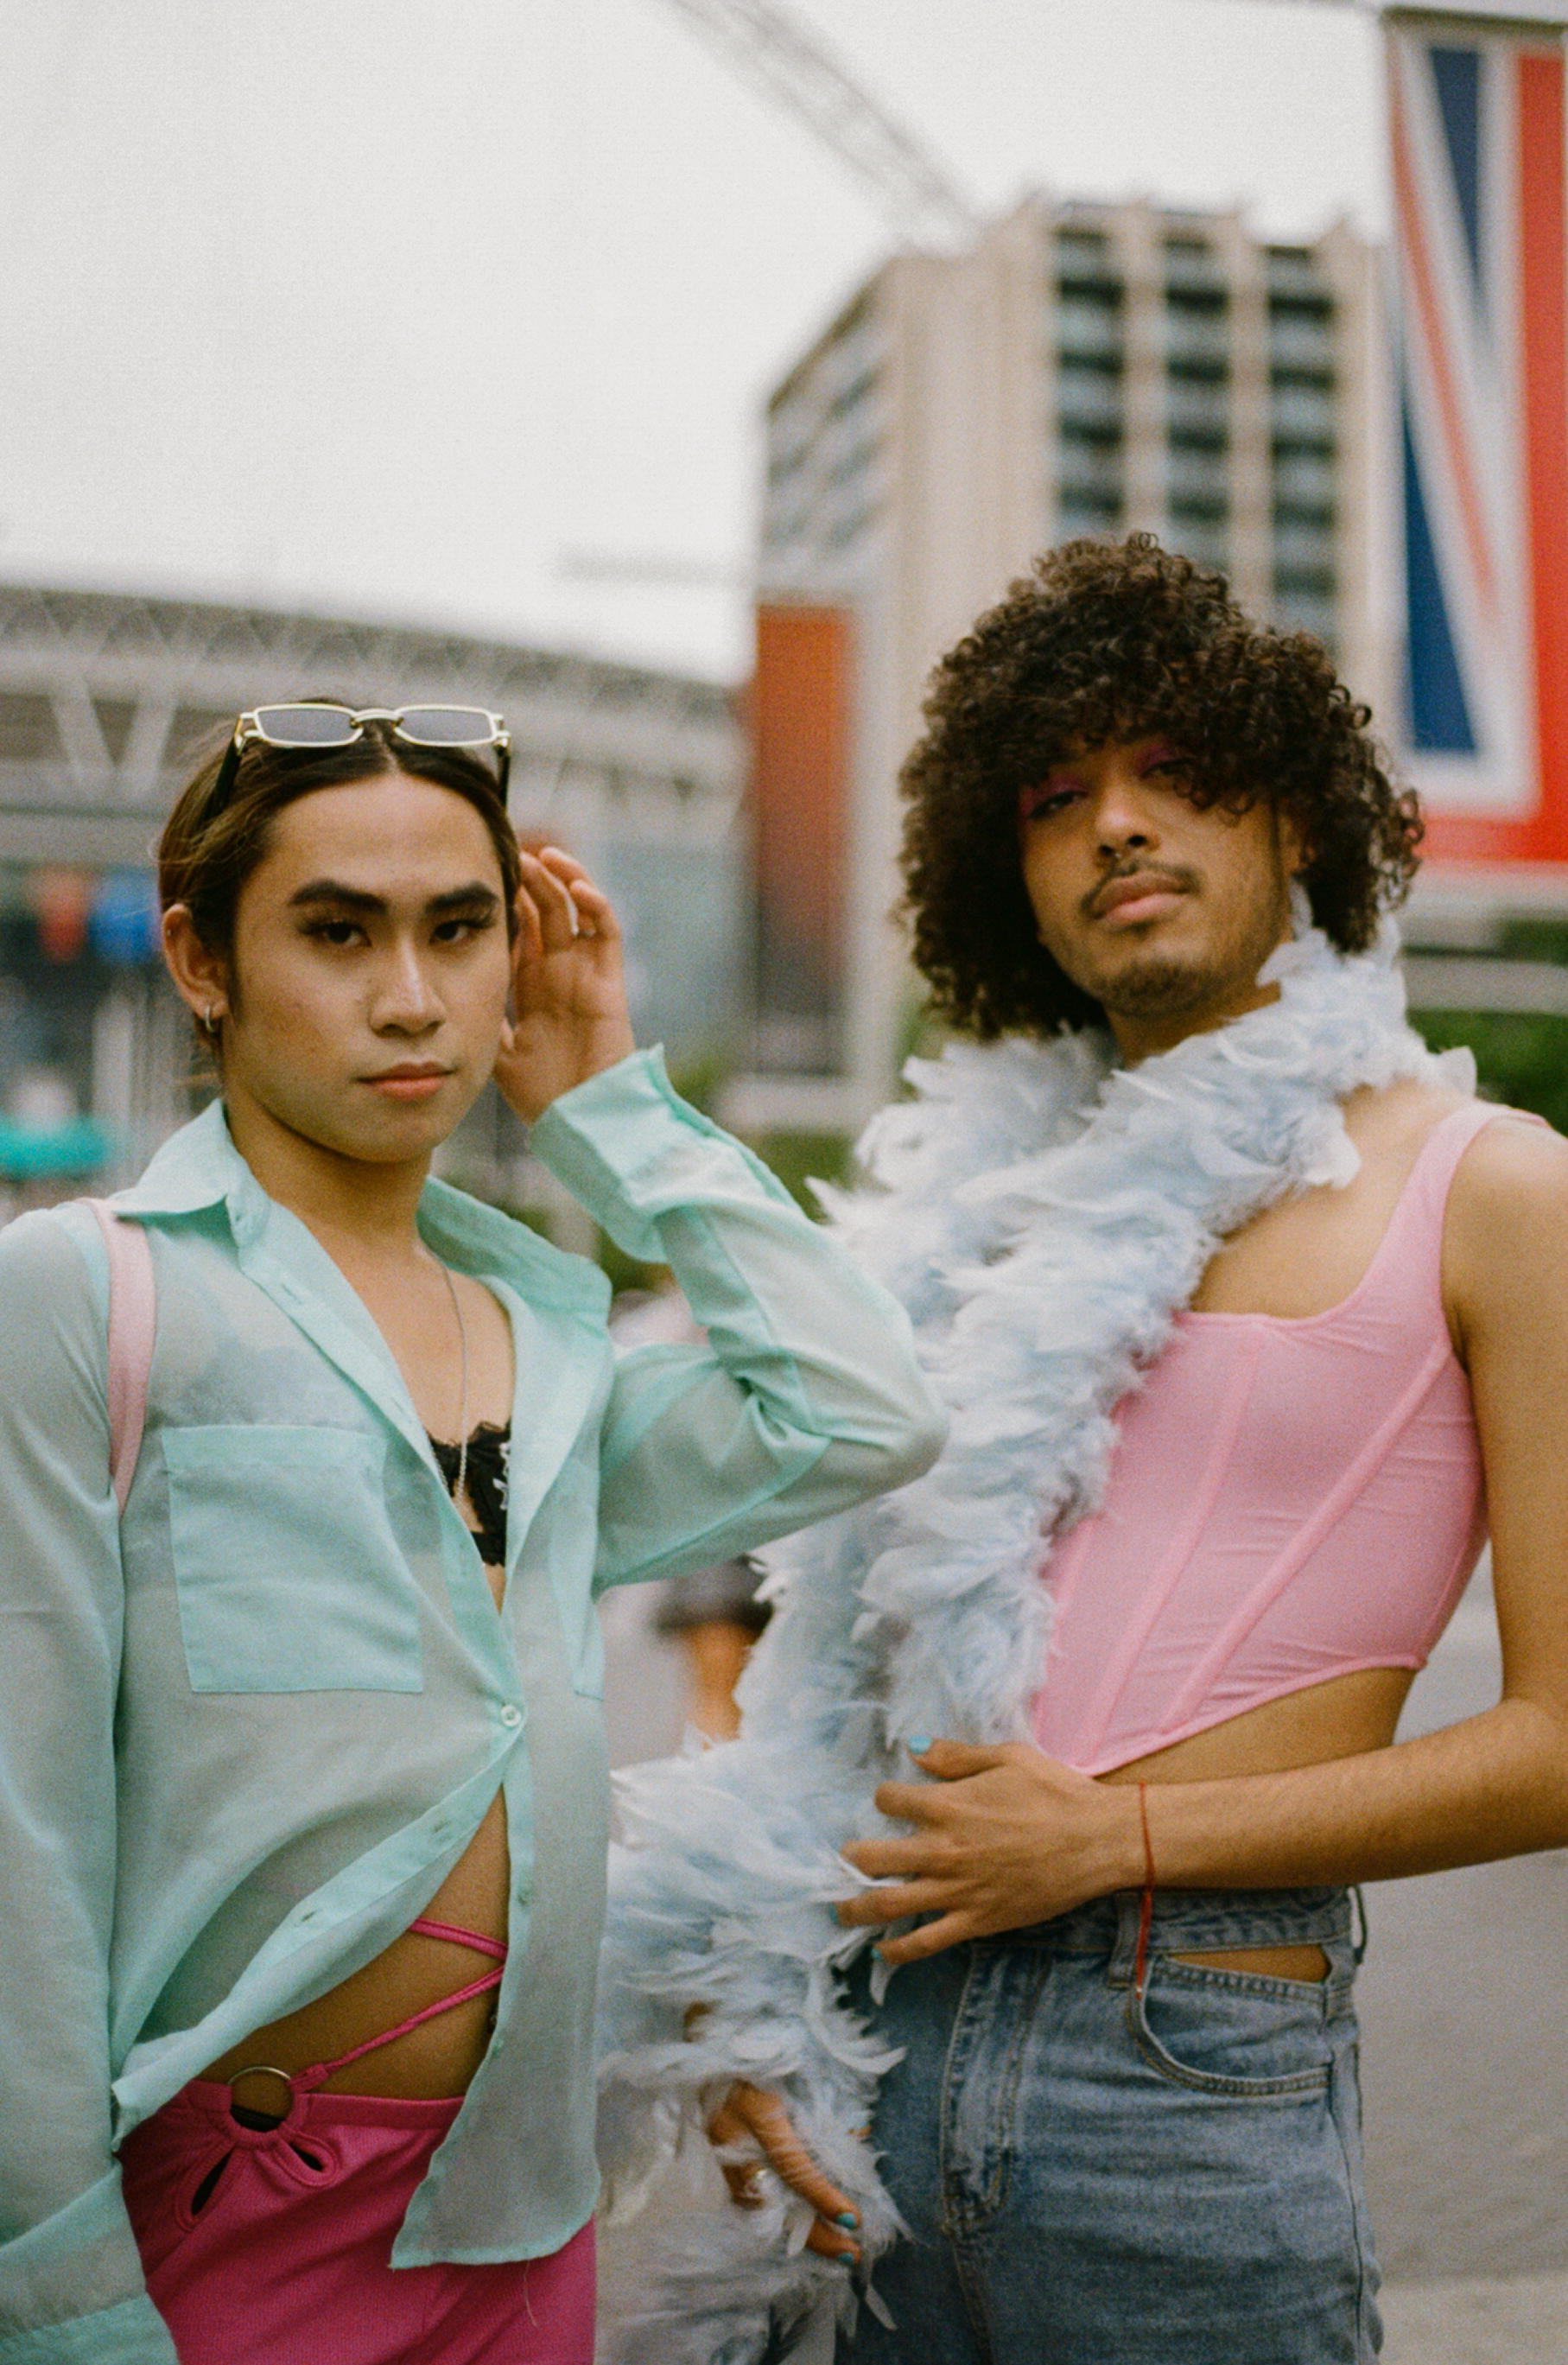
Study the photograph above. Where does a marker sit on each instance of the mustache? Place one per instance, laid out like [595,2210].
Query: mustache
[1157,874]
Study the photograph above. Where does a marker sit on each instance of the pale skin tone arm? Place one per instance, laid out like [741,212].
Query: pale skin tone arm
[1306,1791]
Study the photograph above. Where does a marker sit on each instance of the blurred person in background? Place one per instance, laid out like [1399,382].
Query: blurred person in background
[302,1756]
[713,1615]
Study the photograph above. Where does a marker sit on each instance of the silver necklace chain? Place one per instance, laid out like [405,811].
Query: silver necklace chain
[463,1413]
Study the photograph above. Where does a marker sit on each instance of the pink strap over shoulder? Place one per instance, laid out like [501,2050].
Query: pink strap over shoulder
[133,1314]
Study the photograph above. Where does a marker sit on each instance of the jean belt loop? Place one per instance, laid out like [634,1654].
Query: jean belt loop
[1125,1949]
[1359,1926]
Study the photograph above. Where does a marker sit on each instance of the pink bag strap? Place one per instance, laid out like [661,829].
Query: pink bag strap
[133,1315]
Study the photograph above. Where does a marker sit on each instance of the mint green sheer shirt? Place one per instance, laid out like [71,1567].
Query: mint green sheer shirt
[247,1729]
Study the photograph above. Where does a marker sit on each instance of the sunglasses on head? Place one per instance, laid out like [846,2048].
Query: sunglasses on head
[314,725]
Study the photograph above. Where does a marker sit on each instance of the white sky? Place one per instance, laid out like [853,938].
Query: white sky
[389,305]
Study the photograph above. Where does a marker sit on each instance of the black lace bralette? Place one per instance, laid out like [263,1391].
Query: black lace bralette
[489,1453]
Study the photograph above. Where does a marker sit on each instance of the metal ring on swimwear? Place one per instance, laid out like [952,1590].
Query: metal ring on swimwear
[265,2069]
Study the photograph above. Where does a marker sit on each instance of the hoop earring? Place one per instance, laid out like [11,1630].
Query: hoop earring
[209,1022]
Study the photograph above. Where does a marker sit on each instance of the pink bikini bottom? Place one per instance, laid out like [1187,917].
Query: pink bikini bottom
[274,2242]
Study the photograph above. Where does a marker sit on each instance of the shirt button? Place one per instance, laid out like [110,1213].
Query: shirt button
[512,1717]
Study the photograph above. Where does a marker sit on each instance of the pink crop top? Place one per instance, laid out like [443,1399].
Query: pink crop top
[1290,1499]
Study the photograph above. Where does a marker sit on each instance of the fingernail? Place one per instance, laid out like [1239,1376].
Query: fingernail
[847,2219]
[918,1744]
[847,2258]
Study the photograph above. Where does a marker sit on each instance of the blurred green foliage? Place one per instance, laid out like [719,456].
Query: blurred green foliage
[800,1159]
[1521,1058]
[1522,1055]
[625,1273]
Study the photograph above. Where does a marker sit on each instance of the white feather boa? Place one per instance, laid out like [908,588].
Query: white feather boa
[1042,1214]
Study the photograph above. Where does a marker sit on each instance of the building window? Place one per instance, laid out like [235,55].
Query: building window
[850,526]
[1197,400]
[1082,253]
[1301,333]
[859,390]
[1306,603]
[1301,410]
[1089,479]
[1089,325]
[1089,396]
[1201,529]
[1293,270]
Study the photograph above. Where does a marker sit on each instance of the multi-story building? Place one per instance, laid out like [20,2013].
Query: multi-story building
[102,695]
[1080,370]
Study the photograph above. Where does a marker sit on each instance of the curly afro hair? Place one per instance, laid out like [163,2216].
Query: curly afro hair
[1103,641]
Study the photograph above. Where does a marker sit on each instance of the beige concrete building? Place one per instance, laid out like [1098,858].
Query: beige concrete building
[1081,369]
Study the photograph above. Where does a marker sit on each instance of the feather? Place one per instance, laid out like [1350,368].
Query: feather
[1043,1215]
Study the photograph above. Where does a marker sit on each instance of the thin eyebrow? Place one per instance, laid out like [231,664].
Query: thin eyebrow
[476,896]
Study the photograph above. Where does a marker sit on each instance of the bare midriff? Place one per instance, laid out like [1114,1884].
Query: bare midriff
[437,2059]
[1344,1717]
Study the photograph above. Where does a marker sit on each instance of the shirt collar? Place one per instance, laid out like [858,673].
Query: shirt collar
[199,1168]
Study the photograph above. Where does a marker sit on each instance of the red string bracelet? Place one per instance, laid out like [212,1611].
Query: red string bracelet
[1145,1911]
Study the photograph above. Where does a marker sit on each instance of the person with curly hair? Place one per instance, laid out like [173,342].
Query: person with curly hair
[1247,1317]
[1104,645]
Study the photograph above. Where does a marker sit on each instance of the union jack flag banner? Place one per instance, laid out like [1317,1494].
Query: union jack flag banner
[1477,143]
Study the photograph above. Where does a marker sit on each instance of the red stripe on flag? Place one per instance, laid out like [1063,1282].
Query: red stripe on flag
[1543,273]
[1422,281]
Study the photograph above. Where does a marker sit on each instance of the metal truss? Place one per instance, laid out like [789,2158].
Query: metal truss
[776,54]
[101,693]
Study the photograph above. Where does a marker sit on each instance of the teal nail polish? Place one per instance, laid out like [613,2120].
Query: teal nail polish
[847,2219]
[847,2258]
[918,1744]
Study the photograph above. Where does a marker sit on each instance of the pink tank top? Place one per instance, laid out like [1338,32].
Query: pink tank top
[1290,1499]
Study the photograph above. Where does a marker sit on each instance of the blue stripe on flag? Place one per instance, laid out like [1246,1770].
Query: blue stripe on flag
[1439,719]
[1457,74]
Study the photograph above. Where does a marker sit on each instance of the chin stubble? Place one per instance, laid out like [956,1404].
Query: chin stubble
[1162,989]
[1166,987]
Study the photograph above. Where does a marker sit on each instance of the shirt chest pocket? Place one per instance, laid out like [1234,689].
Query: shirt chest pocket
[288,1575]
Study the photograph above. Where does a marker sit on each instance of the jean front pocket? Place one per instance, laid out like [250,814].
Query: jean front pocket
[288,1575]
[1232,2032]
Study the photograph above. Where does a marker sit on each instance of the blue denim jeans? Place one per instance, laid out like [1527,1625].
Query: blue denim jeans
[1095,2176]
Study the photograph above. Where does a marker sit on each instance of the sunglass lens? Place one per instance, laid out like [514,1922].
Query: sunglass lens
[307,726]
[446,726]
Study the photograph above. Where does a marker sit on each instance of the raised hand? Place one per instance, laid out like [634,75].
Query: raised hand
[569,991]
[1002,1838]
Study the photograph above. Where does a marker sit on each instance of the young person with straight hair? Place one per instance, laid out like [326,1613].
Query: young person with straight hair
[1249,1318]
[302,1756]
